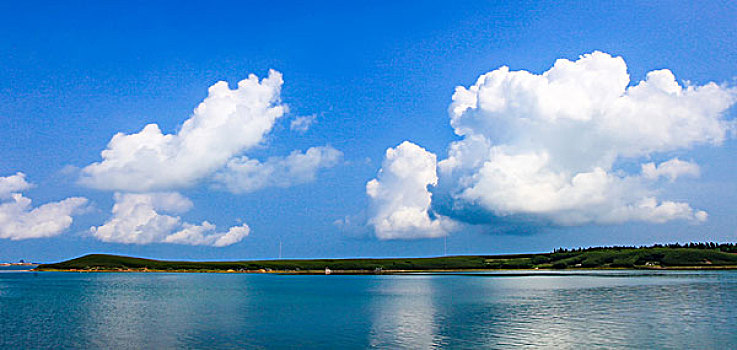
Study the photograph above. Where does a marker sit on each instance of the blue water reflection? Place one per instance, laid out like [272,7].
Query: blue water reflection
[607,309]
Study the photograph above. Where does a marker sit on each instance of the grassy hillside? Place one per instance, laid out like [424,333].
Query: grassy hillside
[643,257]
[113,262]
[673,256]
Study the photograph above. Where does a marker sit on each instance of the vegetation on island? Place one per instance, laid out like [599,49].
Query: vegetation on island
[691,255]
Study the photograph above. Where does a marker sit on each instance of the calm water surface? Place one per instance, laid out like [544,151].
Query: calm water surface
[630,309]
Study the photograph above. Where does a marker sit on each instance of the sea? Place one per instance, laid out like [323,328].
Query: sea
[499,310]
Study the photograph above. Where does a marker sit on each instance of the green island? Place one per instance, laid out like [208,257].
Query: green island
[670,256]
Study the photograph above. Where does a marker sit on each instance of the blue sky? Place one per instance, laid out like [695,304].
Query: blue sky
[370,76]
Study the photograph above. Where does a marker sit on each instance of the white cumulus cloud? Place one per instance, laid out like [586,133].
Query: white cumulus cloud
[13,184]
[138,218]
[400,199]
[226,123]
[19,220]
[546,144]
[242,175]
[672,169]
[211,145]
[205,235]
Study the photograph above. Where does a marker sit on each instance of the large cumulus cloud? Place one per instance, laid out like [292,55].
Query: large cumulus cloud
[547,147]
[226,123]
[547,144]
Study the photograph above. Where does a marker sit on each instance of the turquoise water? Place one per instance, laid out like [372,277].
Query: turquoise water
[630,309]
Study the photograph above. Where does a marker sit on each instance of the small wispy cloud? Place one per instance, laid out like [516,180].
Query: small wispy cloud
[303,123]
[244,175]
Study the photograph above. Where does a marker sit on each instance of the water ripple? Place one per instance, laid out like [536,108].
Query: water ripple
[621,309]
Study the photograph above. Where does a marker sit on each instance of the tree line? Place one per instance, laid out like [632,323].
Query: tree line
[723,247]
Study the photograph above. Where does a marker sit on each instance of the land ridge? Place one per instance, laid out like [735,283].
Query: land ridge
[672,256]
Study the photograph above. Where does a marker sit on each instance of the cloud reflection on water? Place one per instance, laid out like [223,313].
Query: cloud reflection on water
[403,314]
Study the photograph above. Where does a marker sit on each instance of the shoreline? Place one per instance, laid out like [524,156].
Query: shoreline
[645,258]
[392,272]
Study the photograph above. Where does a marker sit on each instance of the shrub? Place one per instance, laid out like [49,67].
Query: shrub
[560,265]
